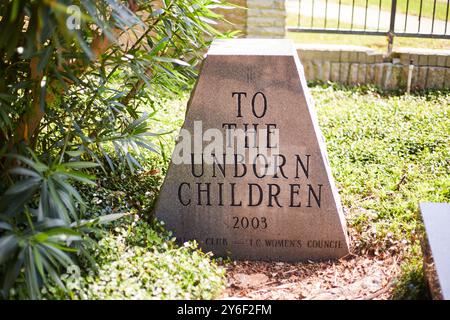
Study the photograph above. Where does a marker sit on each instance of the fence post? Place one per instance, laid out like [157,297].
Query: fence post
[391,32]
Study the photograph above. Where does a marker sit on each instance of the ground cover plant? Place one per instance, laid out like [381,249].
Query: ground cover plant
[388,153]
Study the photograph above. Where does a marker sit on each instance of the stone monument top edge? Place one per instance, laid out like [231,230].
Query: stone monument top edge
[436,218]
[253,47]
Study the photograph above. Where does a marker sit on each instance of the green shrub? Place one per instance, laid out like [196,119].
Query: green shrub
[140,261]
[72,95]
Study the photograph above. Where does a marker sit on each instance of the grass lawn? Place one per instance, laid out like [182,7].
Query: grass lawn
[375,42]
[387,152]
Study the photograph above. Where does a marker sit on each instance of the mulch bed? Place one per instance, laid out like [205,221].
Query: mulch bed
[352,277]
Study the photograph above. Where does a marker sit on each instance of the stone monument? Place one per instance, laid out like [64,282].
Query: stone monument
[249,176]
[436,248]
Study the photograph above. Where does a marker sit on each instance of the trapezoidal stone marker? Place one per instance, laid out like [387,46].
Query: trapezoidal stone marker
[436,248]
[249,177]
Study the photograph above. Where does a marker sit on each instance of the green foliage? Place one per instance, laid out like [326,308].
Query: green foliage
[37,239]
[412,283]
[388,153]
[136,259]
[72,99]
[140,261]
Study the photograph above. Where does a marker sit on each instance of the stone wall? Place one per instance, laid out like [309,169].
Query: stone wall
[353,65]
[266,19]
[236,17]
[256,18]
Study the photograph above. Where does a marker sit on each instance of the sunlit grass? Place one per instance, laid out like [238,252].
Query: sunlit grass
[375,42]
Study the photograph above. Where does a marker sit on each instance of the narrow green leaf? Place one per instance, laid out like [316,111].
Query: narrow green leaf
[14,10]
[69,189]
[8,244]
[5,226]
[31,275]
[172,60]
[24,172]
[111,217]
[12,272]
[75,153]
[81,177]
[80,164]
[56,200]
[23,186]
[38,262]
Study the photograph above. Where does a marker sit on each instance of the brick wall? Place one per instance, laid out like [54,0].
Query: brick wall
[237,18]
[354,65]
[266,19]
[259,19]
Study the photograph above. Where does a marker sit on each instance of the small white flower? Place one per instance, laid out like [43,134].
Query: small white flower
[43,82]
[127,57]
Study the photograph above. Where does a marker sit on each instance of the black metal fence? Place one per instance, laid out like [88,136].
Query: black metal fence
[403,18]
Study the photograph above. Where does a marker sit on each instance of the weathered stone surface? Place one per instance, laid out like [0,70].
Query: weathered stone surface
[344,71]
[388,73]
[353,74]
[436,77]
[326,66]
[447,78]
[362,73]
[309,70]
[353,56]
[246,209]
[265,32]
[436,248]
[403,80]
[387,76]
[266,19]
[405,58]
[378,74]
[370,77]
[265,22]
[344,56]
[266,4]
[422,75]
[392,76]
[236,18]
[423,59]
[432,60]
[317,68]
[415,58]
[441,59]
[335,71]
